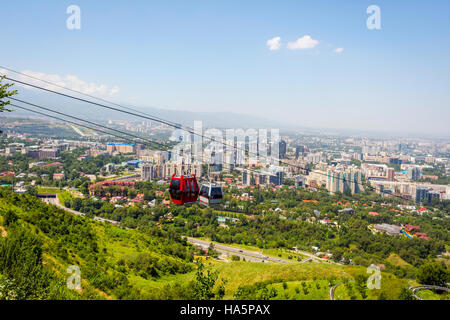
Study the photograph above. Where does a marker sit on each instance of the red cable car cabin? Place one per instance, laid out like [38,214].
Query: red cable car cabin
[183,189]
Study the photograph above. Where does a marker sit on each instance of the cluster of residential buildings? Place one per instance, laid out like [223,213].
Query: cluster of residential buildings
[150,171]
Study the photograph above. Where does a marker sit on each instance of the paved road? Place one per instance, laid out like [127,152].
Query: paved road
[55,201]
[312,257]
[425,287]
[332,289]
[247,254]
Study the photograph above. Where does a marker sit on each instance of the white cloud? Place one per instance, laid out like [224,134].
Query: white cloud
[339,50]
[274,43]
[114,91]
[68,81]
[305,42]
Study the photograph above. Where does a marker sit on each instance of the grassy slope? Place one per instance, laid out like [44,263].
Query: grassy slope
[119,244]
[116,242]
[390,287]
[430,295]
[395,260]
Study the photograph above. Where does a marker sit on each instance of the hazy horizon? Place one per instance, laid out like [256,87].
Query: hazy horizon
[305,64]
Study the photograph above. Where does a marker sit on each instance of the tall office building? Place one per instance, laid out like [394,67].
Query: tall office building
[282,149]
[390,173]
[413,173]
[396,161]
[422,194]
[147,172]
[433,195]
[299,150]
[277,178]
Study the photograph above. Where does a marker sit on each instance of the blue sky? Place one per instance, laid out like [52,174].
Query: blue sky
[213,55]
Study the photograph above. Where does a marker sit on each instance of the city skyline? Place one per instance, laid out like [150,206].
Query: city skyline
[318,67]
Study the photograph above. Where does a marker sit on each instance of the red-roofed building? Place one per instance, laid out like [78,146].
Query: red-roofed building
[53,164]
[374,214]
[410,228]
[58,176]
[7,174]
[139,198]
[104,184]
[421,234]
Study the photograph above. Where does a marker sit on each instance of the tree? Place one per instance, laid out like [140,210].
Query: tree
[405,294]
[433,273]
[204,284]
[77,204]
[10,218]
[361,285]
[21,265]
[211,251]
[4,93]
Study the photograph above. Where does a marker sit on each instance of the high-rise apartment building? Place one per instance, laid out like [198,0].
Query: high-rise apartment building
[121,148]
[390,174]
[299,150]
[342,179]
[422,194]
[282,149]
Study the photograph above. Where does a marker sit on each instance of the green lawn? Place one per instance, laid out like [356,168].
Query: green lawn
[64,195]
[49,190]
[396,260]
[430,295]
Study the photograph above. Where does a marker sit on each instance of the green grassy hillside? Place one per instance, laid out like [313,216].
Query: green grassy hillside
[119,263]
[107,256]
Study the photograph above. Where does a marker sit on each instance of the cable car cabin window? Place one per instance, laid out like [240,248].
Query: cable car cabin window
[175,190]
[216,193]
[204,191]
[187,188]
[191,188]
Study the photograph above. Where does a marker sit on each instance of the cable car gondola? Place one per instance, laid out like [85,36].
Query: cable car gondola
[183,189]
[210,194]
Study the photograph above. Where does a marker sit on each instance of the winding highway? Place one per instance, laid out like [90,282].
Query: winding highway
[332,289]
[249,255]
[426,287]
[55,201]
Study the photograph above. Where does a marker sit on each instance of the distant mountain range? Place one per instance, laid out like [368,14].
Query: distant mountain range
[220,120]
[92,112]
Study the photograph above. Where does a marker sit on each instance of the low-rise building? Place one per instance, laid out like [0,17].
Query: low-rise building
[389,229]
